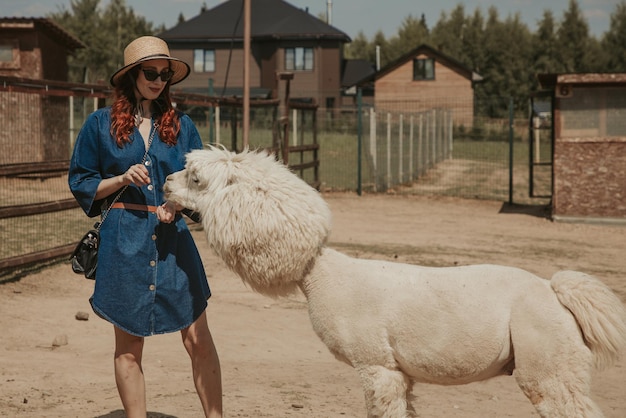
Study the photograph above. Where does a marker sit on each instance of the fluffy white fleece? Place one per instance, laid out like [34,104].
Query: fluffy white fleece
[397,324]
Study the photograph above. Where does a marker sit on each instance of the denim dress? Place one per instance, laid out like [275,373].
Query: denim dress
[150,278]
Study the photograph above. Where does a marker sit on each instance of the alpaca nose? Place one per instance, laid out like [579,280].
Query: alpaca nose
[166,186]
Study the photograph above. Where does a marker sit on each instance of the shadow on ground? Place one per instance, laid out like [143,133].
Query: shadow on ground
[120,414]
[540,211]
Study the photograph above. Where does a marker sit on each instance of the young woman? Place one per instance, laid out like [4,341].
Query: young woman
[150,278]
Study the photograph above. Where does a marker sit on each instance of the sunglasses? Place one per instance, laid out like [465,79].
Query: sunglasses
[151,75]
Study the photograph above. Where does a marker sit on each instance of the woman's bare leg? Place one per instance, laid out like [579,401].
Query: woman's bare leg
[206,366]
[129,373]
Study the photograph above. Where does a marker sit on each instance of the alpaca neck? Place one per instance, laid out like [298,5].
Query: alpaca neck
[320,277]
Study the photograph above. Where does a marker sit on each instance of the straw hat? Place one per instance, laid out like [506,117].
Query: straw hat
[148,48]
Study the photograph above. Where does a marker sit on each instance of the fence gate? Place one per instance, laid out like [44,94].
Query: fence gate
[541,151]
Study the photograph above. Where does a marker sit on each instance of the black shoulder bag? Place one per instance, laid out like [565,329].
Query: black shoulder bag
[84,259]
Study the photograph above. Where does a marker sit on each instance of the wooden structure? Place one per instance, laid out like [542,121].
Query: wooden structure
[425,79]
[589,162]
[34,49]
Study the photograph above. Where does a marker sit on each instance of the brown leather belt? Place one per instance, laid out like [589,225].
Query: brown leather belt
[133,206]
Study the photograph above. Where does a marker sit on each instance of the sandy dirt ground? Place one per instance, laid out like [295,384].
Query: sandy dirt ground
[273,365]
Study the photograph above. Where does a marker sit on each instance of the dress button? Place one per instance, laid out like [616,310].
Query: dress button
[152,287]
[152,263]
[150,187]
[153,237]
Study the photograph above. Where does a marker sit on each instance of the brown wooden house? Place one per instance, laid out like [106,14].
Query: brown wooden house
[425,79]
[589,146]
[35,48]
[283,39]
[35,127]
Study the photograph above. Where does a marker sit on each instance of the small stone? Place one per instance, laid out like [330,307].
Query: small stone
[82,316]
[297,405]
[59,340]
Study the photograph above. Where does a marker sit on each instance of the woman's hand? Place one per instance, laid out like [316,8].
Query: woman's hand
[137,174]
[167,212]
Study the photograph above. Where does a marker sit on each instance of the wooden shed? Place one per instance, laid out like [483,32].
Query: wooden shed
[35,127]
[589,161]
[425,79]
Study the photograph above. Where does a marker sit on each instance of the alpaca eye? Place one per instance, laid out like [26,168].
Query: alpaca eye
[195,179]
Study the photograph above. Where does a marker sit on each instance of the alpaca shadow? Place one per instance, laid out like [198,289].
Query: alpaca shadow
[540,211]
[120,414]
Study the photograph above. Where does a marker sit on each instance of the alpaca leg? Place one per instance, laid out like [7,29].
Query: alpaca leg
[563,395]
[385,392]
[554,371]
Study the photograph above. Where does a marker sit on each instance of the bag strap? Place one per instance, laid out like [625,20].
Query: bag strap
[105,213]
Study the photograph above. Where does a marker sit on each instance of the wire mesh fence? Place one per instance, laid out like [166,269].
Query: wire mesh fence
[361,149]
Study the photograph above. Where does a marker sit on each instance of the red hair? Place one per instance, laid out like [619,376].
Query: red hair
[123,112]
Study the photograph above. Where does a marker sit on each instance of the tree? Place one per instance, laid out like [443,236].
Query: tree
[104,33]
[82,21]
[545,47]
[473,52]
[448,33]
[506,68]
[386,54]
[359,48]
[573,40]
[614,40]
[121,20]
[411,34]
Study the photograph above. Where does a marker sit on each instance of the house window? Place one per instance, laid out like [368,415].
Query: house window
[203,60]
[423,69]
[6,53]
[9,54]
[299,59]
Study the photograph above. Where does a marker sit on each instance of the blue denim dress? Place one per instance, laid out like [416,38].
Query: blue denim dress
[150,278]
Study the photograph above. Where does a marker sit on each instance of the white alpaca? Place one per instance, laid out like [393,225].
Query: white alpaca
[395,323]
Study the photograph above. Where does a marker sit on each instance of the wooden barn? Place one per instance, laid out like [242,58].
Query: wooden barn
[425,79]
[36,126]
[589,146]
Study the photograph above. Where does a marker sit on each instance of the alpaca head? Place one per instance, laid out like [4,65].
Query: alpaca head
[266,223]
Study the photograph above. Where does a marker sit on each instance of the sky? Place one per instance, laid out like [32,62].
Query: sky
[350,16]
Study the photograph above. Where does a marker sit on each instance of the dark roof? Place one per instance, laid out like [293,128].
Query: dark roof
[47,25]
[550,80]
[355,72]
[269,19]
[428,50]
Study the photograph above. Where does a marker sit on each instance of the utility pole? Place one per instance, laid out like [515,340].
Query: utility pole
[246,73]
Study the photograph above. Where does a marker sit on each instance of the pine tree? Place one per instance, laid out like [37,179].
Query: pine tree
[105,33]
[573,40]
[614,40]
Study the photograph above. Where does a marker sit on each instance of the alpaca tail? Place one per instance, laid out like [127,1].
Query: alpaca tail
[598,311]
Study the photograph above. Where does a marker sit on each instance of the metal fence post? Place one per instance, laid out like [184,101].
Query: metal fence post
[388,151]
[373,147]
[211,119]
[510,150]
[400,148]
[359,135]
[411,150]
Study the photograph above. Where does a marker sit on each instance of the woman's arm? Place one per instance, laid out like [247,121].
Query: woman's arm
[136,174]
